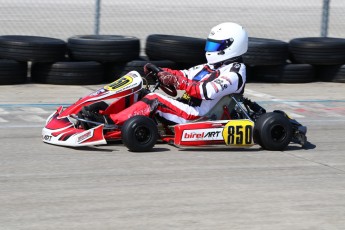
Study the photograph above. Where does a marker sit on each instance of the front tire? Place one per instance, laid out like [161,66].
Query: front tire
[139,134]
[273,131]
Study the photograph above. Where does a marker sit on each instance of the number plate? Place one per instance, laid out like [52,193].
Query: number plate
[238,133]
[120,83]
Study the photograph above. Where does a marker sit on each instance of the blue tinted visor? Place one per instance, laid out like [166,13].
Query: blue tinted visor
[217,45]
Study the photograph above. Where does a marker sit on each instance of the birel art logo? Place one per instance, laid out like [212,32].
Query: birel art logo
[203,134]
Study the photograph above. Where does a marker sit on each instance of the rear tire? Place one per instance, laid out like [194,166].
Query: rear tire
[273,131]
[139,134]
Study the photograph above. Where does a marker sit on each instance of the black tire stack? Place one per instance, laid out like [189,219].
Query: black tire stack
[107,50]
[267,61]
[67,72]
[185,51]
[300,60]
[117,54]
[17,51]
[12,72]
[327,55]
[80,60]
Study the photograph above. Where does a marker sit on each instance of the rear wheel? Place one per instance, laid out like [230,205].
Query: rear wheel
[139,134]
[273,131]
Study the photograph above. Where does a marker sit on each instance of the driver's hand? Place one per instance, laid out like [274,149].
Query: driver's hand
[167,78]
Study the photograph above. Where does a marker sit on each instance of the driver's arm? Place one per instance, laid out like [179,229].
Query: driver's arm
[217,84]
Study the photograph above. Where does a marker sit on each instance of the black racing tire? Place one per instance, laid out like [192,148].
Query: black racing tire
[317,50]
[13,72]
[139,134]
[32,48]
[103,48]
[273,131]
[68,73]
[180,49]
[115,70]
[288,73]
[330,73]
[264,51]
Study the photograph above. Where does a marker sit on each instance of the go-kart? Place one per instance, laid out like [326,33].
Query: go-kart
[235,121]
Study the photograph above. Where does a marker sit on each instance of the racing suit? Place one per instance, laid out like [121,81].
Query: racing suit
[204,86]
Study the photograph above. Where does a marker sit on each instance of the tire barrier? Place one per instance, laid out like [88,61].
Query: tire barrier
[103,48]
[32,48]
[287,73]
[330,73]
[186,51]
[13,72]
[94,59]
[263,51]
[68,73]
[317,50]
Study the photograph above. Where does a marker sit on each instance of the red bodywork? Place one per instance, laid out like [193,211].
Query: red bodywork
[60,128]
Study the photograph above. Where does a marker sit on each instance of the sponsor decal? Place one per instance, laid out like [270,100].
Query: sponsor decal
[221,83]
[47,137]
[100,91]
[85,136]
[237,66]
[186,96]
[202,134]
[226,78]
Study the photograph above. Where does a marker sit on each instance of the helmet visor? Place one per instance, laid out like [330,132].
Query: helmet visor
[217,45]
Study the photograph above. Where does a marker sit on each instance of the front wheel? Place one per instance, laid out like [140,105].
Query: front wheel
[273,131]
[139,134]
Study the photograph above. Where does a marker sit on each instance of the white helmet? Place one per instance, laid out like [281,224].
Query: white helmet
[225,41]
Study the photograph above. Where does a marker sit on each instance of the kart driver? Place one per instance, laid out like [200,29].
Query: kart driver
[204,85]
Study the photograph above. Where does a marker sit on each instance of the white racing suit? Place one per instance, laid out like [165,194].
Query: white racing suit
[204,86]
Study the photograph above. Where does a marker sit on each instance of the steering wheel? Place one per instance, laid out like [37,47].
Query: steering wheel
[168,89]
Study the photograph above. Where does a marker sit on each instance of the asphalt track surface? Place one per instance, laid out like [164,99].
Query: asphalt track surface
[44,186]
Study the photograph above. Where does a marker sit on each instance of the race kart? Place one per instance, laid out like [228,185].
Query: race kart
[235,121]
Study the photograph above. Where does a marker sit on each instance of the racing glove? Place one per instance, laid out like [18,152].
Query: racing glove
[167,78]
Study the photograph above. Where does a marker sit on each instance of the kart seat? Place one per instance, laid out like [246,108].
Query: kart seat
[225,105]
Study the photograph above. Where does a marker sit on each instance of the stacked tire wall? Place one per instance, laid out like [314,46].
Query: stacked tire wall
[94,59]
